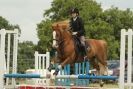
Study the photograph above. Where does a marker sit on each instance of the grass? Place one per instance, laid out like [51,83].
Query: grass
[110,85]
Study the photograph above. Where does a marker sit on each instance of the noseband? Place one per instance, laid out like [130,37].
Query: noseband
[59,41]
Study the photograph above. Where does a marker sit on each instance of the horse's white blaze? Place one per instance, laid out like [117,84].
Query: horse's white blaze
[54,37]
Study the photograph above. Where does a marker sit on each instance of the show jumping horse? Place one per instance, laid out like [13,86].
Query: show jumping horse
[64,44]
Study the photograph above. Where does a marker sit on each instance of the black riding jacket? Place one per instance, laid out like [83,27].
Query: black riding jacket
[77,26]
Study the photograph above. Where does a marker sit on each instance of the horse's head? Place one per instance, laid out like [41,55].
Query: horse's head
[60,32]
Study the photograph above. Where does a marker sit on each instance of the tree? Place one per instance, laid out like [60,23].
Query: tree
[117,19]
[44,31]
[99,24]
[26,52]
[4,24]
[60,11]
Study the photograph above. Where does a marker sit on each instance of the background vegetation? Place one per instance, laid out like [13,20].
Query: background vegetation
[99,24]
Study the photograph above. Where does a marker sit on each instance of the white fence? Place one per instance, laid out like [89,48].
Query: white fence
[8,53]
[42,62]
[126,57]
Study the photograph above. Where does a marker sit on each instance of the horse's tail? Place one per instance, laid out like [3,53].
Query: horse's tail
[105,50]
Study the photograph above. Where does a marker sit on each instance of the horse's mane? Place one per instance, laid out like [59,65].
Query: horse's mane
[60,24]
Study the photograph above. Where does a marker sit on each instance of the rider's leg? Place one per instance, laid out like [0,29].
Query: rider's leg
[82,40]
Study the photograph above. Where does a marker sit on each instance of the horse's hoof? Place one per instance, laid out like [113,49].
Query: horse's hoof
[48,75]
[101,84]
[106,73]
[55,73]
[53,77]
[52,82]
[72,84]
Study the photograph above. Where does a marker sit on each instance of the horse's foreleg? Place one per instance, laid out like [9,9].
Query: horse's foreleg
[48,71]
[61,66]
[50,67]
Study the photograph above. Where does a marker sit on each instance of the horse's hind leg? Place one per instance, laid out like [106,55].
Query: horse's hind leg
[102,65]
[95,65]
[102,69]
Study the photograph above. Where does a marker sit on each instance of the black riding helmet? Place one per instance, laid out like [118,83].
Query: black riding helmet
[74,10]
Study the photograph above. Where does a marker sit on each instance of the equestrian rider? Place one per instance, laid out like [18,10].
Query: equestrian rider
[77,26]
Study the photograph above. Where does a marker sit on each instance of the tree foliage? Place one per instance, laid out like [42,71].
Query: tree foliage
[4,24]
[26,59]
[44,31]
[99,24]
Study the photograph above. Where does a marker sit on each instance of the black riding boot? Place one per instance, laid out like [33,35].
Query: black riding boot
[84,50]
[85,53]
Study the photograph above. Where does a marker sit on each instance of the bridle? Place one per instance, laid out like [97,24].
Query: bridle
[60,41]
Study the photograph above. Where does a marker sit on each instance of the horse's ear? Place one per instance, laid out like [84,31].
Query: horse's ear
[54,26]
[57,25]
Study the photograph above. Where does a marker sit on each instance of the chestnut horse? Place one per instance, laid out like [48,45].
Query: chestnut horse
[63,42]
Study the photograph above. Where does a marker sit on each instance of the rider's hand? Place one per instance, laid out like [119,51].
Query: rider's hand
[74,33]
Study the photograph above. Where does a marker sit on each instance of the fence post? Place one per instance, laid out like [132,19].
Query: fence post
[36,60]
[123,50]
[2,57]
[15,51]
[47,59]
[129,56]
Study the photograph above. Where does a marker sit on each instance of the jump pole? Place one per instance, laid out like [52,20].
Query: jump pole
[60,76]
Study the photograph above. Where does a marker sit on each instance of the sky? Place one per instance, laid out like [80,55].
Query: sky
[28,13]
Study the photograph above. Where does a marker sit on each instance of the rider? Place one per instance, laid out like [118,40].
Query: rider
[77,26]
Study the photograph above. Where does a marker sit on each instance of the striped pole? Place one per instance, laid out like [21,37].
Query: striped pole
[60,76]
